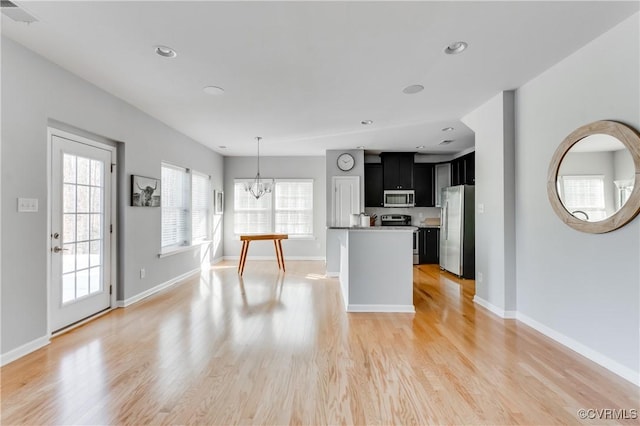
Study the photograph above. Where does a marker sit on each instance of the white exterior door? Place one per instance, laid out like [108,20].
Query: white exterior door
[346,199]
[80,214]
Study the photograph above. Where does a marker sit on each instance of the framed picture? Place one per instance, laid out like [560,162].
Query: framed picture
[218,207]
[145,191]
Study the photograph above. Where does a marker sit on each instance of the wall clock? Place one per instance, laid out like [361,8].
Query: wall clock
[346,162]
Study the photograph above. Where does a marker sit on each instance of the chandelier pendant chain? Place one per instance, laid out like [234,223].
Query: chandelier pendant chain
[258,188]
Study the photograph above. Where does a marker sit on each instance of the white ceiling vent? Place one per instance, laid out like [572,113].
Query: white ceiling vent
[15,12]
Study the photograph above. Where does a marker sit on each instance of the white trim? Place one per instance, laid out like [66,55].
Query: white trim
[409,309]
[182,249]
[138,297]
[23,350]
[606,362]
[494,309]
[83,322]
[113,279]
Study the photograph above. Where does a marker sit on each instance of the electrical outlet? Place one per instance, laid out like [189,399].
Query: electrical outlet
[479,277]
[143,273]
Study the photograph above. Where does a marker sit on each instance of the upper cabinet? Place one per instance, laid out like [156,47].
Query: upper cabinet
[373,190]
[423,181]
[463,170]
[397,170]
[442,180]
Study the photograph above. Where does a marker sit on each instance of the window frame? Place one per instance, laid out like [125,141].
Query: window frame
[588,209]
[273,210]
[189,242]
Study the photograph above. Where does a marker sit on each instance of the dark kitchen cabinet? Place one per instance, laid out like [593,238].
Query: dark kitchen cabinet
[463,170]
[373,191]
[423,183]
[429,240]
[397,170]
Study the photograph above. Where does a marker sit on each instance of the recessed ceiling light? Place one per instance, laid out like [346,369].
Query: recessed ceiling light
[414,88]
[446,142]
[213,90]
[448,129]
[420,147]
[360,147]
[166,52]
[366,122]
[455,48]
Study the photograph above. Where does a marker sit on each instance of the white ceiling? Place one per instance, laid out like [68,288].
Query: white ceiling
[303,75]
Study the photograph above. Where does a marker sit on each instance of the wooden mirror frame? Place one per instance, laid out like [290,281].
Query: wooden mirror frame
[631,140]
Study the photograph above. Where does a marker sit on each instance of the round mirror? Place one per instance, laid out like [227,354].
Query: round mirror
[594,177]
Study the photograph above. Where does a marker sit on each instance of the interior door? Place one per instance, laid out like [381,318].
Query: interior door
[80,231]
[346,199]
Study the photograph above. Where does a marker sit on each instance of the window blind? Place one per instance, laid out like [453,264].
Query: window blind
[287,210]
[584,193]
[175,206]
[294,207]
[200,206]
[251,216]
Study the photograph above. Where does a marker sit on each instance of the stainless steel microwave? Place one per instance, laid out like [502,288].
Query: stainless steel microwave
[399,198]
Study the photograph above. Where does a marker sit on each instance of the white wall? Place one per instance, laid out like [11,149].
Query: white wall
[495,225]
[584,287]
[36,92]
[284,168]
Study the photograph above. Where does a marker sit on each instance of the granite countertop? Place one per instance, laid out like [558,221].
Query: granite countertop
[375,228]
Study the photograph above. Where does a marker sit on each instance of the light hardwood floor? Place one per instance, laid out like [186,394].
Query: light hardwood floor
[277,348]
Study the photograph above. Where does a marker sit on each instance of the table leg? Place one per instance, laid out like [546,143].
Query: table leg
[275,244]
[243,256]
[281,254]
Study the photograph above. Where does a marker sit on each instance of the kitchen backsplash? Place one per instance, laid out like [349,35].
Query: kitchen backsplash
[418,214]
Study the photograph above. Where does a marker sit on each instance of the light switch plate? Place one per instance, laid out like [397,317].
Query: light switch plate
[27,205]
[480,208]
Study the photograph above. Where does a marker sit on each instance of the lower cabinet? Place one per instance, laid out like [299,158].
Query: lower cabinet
[429,239]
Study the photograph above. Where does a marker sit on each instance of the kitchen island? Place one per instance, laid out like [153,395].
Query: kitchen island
[375,267]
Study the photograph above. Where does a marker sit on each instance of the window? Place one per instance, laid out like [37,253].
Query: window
[584,195]
[286,210]
[200,206]
[185,204]
[294,207]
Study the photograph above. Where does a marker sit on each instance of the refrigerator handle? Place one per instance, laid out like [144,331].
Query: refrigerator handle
[445,221]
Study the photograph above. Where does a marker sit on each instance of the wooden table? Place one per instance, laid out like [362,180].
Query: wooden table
[277,242]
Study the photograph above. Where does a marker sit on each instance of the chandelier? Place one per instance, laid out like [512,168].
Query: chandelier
[258,187]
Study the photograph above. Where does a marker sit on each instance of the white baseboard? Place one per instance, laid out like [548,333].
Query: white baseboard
[494,309]
[606,362]
[217,260]
[410,309]
[138,297]
[23,350]
[274,258]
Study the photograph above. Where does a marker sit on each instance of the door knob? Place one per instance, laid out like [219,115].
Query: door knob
[57,249]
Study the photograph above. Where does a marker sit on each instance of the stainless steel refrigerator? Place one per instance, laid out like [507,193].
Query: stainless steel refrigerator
[457,233]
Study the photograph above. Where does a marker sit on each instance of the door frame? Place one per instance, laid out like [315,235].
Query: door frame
[51,132]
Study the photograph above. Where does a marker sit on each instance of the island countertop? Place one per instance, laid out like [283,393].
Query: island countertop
[375,228]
